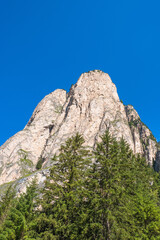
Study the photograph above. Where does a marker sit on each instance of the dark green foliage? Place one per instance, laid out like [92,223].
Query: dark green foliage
[114,198]
[39,163]
[6,202]
[118,181]
[20,213]
[64,191]
[135,122]
[108,197]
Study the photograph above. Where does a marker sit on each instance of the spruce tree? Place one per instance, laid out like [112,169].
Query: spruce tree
[62,210]
[104,188]
[5,202]
[123,199]
[19,215]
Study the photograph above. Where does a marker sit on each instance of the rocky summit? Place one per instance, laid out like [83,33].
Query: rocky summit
[91,106]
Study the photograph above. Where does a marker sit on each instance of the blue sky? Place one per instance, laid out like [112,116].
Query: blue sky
[45,45]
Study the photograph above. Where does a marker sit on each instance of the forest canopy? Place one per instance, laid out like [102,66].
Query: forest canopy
[105,194]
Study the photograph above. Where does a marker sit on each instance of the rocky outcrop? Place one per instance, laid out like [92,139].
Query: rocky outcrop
[144,141]
[19,155]
[91,106]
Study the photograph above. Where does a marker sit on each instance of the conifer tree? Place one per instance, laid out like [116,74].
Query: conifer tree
[146,210]
[123,201]
[109,190]
[20,213]
[5,202]
[64,192]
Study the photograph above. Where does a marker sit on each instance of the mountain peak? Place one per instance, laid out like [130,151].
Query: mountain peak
[95,75]
[95,84]
[91,106]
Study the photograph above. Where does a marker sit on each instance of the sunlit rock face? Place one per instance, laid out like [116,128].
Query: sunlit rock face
[144,141]
[19,155]
[91,106]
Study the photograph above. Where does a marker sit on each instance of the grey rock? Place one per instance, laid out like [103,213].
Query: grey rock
[144,141]
[91,106]
[30,142]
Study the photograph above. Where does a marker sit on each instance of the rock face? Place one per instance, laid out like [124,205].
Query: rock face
[91,107]
[144,141]
[19,155]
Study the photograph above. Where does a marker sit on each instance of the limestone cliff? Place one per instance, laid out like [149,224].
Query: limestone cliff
[91,106]
[144,141]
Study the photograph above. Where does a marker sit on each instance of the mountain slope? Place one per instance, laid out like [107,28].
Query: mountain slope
[91,106]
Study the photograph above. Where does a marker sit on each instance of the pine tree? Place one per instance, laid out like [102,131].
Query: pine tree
[146,210]
[104,188]
[5,202]
[62,212]
[118,181]
[19,214]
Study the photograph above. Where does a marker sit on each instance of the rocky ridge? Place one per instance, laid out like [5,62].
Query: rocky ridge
[91,106]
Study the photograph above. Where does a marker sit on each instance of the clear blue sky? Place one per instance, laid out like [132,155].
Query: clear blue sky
[45,45]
